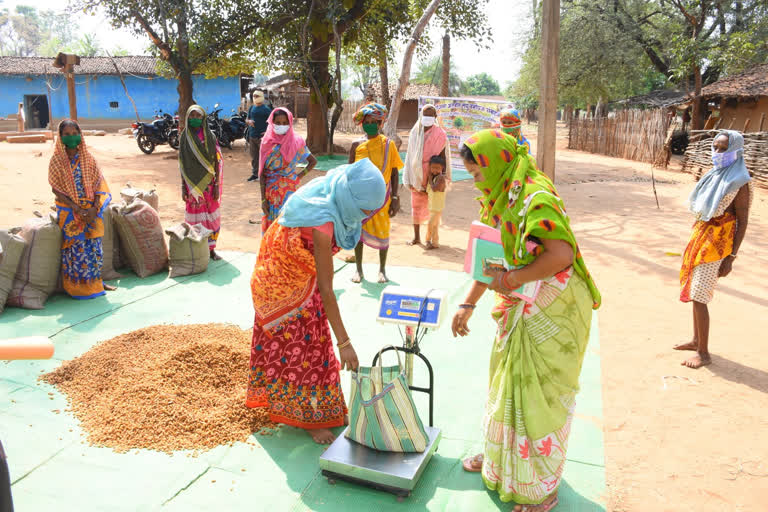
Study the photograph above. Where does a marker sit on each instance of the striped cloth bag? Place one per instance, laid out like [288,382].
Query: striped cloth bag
[388,420]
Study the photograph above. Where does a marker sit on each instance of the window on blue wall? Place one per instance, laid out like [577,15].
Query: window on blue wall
[114,105]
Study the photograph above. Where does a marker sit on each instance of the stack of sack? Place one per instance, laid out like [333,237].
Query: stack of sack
[30,256]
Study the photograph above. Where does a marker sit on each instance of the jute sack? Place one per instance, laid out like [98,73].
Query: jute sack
[38,271]
[11,250]
[129,193]
[141,237]
[188,249]
[110,245]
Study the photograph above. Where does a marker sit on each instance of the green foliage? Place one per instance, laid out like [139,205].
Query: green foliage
[483,84]
[88,46]
[430,72]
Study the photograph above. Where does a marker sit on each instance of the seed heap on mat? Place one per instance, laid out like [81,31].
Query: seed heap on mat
[165,387]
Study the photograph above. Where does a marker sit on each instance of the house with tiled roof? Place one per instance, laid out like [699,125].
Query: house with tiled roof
[101,99]
[740,100]
[409,108]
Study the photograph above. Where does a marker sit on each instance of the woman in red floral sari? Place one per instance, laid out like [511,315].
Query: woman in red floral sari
[293,370]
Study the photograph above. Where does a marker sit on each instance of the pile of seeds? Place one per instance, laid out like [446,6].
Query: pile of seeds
[165,387]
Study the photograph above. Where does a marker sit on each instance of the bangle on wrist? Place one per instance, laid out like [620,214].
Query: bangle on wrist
[732,255]
[504,280]
[467,305]
[345,343]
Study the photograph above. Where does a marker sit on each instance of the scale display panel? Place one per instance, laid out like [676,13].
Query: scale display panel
[406,306]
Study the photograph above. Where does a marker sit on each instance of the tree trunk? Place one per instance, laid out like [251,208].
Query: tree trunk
[390,127]
[381,58]
[697,121]
[445,80]
[186,98]
[317,117]
[550,52]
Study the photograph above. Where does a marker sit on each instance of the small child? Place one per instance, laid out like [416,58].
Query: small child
[436,193]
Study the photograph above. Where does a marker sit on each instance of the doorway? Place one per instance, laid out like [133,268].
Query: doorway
[36,111]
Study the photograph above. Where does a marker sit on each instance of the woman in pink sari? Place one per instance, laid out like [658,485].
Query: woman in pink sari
[201,168]
[427,139]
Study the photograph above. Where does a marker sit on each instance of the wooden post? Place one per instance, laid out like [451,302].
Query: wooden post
[20,118]
[66,62]
[762,120]
[550,52]
[295,100]
[746,125]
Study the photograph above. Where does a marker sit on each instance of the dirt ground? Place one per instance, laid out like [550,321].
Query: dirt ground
[675,439]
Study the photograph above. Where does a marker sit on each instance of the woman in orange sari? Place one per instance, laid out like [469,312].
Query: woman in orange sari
[294,372]
[82,195]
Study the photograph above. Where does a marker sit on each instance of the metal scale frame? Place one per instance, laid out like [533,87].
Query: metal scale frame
[395,473]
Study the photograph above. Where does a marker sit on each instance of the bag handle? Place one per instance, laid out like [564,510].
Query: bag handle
[397,352]
[359,380]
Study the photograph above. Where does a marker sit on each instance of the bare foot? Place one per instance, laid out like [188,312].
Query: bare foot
[691,345]
[109,287]
[545,506]
[321,435]
[415,241]
[349,259]
[357,278]
[382,278]
[431,246]
[214,256]
[697,361]
[473,464]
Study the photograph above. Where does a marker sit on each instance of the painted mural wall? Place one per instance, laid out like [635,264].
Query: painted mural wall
[103,96]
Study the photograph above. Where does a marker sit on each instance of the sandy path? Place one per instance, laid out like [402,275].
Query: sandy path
[672,444]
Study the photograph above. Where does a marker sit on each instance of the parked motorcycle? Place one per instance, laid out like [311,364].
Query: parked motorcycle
[163,130]
[236,126]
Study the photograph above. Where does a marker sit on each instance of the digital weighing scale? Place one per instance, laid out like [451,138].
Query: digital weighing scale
[418,310]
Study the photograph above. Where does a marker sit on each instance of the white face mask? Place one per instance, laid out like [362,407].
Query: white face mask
[427,121]
[281,129]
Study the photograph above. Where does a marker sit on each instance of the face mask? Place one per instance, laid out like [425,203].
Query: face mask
[371,129]
[71,141]
[281,129]
[721,160]
[427,121]
[195,122]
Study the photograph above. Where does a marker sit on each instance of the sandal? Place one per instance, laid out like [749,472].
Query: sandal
[538,508]
[473,464]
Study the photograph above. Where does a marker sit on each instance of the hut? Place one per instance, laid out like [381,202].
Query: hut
[101,99]
[409,108]
[740,101]
[286,91]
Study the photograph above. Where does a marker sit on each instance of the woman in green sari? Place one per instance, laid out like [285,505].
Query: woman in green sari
[539,348]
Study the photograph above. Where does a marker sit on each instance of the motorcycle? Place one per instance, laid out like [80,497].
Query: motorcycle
[236,126]
[163,130]
[227,130]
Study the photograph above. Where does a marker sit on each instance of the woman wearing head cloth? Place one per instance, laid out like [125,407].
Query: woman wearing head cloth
[511,124]
[82,195]
[427,139]
[539,347]
[293,371]
[281,153]
[720,201]
[201,168]
[383,154]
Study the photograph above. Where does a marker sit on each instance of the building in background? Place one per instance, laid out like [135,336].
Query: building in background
[101,99]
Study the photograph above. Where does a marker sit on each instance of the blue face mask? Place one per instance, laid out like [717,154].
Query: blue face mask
[720,160]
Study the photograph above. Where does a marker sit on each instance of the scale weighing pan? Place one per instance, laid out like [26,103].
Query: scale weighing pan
[393,472]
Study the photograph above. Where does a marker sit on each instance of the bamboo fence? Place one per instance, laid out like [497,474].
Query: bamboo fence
[698,156]
[346,124]
[639,135]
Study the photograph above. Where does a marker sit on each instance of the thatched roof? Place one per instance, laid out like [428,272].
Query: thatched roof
[411,93]
[137,65]
[655,99]
[748,84]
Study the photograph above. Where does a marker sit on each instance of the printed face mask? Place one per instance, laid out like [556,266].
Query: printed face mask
[427,121]
[195,122]
[281,129]
[371,129]
[720,160]
[71,141]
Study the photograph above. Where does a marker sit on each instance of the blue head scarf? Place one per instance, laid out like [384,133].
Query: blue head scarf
[728,174]
[339,197]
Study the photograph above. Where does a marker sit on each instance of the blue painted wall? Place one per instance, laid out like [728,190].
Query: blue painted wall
[95,92]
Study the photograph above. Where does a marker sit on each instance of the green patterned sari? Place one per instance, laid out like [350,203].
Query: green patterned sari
[539,348]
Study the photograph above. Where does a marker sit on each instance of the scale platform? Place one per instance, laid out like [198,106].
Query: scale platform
[396,473]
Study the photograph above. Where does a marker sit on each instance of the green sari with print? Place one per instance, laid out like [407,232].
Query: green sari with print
[539,348]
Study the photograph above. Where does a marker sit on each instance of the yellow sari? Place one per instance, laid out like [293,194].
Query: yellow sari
[383,153]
